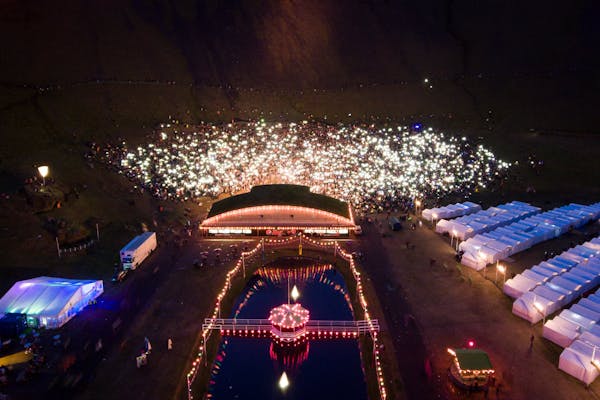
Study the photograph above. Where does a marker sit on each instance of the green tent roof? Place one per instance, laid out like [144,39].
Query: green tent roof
[473,359]
[292,195]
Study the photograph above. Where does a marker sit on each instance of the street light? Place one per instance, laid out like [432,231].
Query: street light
[43,170]
[284,382]
[454,237]
[540,308]
[502,269]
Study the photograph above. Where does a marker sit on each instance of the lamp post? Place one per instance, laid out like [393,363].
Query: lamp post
[43,170]
[456,238]
[540,308]
[502,269]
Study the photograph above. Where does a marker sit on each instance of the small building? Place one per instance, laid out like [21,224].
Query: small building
[279,210]
[470,368]
[50,302]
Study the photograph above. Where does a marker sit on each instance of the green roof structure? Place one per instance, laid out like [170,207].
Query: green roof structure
[281,194]
[473,360]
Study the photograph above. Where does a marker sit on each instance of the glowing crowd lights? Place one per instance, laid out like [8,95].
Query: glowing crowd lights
[363,165]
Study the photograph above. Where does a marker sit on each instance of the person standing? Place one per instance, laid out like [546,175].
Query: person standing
[531,339]
[169,344]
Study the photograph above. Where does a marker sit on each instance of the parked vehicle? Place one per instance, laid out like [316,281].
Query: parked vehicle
[120,276]
[138,250]
[394,223]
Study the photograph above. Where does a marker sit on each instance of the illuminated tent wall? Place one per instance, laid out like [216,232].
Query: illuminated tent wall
[279,207]
[50,302]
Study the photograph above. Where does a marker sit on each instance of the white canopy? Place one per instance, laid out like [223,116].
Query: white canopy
[576,360]
[525,231]
[50,302]
[561,331]
[515,287]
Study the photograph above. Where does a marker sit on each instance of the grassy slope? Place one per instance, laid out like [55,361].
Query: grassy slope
[274,60]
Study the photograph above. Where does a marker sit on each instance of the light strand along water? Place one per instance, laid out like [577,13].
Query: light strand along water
[249,368]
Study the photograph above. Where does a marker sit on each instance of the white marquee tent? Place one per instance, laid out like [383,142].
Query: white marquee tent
[489,247]
[50,302]
[580,360]
[484,221]
[450,211]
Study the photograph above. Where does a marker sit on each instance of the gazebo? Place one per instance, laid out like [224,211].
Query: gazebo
[471,368]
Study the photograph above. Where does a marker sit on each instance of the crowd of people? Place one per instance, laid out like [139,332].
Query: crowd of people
[364,165]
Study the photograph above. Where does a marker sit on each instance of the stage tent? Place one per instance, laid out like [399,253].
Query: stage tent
[580,360]
[50,302]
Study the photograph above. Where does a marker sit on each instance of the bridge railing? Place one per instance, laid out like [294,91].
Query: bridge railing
[361,326]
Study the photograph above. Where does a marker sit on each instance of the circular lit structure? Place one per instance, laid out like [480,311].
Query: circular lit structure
[288,322]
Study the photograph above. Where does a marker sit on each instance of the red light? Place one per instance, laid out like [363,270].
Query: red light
[471,343]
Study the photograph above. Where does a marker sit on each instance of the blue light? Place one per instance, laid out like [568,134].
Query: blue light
[417,126]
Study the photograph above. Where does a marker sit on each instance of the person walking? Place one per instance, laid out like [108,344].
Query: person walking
[531,339]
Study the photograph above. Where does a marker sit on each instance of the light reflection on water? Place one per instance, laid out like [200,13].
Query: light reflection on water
[249,368]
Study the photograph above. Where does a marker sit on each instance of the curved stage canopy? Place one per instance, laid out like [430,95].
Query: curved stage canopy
[276,209]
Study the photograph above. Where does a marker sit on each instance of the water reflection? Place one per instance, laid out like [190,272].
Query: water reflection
[250,367]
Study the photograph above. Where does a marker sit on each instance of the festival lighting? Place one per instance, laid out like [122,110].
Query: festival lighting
[295,293]
[289,317]
[291,241]
[284,383]
[365,166]
[43,170]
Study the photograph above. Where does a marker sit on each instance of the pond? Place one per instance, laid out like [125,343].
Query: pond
[250,368]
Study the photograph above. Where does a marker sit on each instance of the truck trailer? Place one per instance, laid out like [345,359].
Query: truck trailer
[137,250]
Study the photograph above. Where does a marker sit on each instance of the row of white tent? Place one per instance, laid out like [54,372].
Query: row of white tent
[487,220]
[501,243]
[581,358]
[577,330]
[542,272]
[552,284]
[571,324]
[451,211]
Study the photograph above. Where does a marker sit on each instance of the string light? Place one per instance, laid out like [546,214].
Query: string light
[373,330]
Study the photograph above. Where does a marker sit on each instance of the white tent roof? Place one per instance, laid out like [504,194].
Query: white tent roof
[576,360]
[561,331]
[45,296]
[515,287]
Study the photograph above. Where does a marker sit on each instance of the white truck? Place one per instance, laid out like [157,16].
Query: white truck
[137,250]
